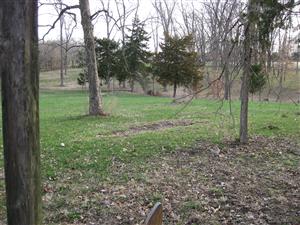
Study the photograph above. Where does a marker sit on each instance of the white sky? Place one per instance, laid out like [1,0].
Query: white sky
[47,15]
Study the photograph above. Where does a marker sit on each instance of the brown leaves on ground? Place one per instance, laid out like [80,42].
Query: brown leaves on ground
[238,184]
[165,124]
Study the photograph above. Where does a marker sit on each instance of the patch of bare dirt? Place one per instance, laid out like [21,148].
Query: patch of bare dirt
[165,124]
[207,184]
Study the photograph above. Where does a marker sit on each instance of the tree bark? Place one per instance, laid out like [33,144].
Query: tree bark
[20,110]
[66,64]
[61,23]
[174,90]
[165,88]
[131,85]
[297,68]
[226,83]
[95,99]
[298,57]
[249,30]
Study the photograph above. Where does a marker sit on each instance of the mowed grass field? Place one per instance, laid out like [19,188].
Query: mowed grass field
[64,120]
[79,153]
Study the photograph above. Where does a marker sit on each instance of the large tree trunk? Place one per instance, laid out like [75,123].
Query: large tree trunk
[249,30]
[20,110]
[95,99]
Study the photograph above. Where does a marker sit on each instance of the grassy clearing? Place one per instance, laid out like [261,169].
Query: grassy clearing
[63,120]
[89,151]
[51,79]
[89,146]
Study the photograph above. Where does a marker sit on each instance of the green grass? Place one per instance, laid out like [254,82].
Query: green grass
[51,79]
[89,150]
[89,147]
[63,120]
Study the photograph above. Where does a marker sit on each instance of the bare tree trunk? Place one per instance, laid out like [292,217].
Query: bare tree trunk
[108,82]
[61,21]
[95,99]
[153,85]
[174,90]
[131,85]
[298,56]
[297,68]
[249,30]
[226,83]
[66,63]
[283,61]
[269,61]
[20,110]
[113,84]
[165,89]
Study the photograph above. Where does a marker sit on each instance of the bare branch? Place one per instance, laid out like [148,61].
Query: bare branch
[58,18]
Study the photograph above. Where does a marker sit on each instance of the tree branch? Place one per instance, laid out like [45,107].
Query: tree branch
[58,18]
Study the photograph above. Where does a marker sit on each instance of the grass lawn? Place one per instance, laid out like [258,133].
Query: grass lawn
[85,158]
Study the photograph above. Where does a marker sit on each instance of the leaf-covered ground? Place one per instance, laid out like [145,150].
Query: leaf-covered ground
[111,170]
[205,184]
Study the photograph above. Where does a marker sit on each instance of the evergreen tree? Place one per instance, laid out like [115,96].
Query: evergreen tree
[176,65]
[82,78]
[107,58]
[257,79]
[267,16]
[122,73]
[136,52]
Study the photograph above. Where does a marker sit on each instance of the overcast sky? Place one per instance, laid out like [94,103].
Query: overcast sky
[48,14]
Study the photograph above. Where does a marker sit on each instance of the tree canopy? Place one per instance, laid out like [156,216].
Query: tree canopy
[107,58]
[136,50]
[176,64]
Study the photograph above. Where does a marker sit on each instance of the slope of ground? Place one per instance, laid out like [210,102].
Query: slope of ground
[111,170]
[205,184]
[289,92]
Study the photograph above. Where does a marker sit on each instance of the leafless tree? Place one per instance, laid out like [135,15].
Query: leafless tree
[95,98]
[165,10]
[223,33]
[58,5]
[124,13]
[67,24]
[69,44]
[95,107]
[248,41]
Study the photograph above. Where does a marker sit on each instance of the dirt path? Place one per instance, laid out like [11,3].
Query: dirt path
[165,124]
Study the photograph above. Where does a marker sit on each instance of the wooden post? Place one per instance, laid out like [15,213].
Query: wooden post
[20,110]
[155,216]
